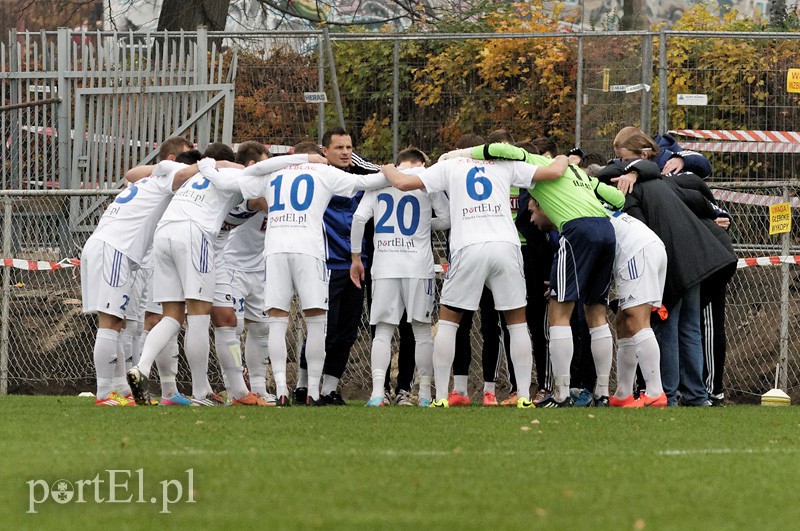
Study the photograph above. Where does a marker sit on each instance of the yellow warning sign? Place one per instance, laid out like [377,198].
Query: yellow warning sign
[607,78]
[780,218]
[793,80]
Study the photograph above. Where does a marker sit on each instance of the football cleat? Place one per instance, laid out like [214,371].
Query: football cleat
[425,402]
[550,401]
[717,400]
[114,399]
[525,403]
[510,401]
[454,399]
[649,401]
[175,400]
[628,401]
[269,398]
[310,402]
[403,398]
[377,401]
[333,399]
[601,401]
[250,399]
[299,396]
[211,399]
[489,399]
[440,403]
[138,384]
[283,401]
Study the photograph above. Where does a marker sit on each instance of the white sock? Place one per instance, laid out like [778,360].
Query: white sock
[196,345]
[489,387]
[277,352]
[105,360]
[461,384]
[315,352]
[522,357]
[626,367]
[155,341]
[602,352]
[381,356]
[444,352]
[120,382]
[329,384]
[560,359]
[423,356]
[167,363]
[229,354]
[649,356]
[126,344]
[255,354]
[302,376]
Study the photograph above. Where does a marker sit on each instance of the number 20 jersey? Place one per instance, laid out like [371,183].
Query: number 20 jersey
[479,191]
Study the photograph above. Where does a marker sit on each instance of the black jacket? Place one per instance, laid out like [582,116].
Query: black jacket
[693,252]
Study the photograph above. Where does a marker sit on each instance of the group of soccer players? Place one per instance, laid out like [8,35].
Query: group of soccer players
[227,240]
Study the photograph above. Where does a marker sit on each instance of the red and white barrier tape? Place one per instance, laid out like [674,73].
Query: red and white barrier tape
[752,199]
[740,134]
[768,261]
[743,147]
[40,265]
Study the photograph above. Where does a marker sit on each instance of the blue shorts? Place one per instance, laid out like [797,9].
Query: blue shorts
[584,261]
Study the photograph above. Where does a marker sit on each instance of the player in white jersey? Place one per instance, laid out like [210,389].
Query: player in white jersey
[402,270]
[244,258]
[185,279]
[109,260]
[295,253]
[484,250]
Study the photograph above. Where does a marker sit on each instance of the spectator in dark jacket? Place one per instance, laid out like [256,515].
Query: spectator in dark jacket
[668,154]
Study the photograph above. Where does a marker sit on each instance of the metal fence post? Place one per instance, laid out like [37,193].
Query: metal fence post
[647,79]
[201,78]
[321,84]
[395,97]
[662,82]
[334,80]
[783,342]
[6,298]
[579,93]
[64,106]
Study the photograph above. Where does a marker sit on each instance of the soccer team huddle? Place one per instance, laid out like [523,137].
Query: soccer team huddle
[228,241]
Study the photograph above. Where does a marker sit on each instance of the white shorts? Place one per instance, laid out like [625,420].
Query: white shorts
[138,296]
[107,279]
[641,279]
[149,304]
[223,295]
[183,259]
[496,265]
[290,273]
[247,288]
[392,296]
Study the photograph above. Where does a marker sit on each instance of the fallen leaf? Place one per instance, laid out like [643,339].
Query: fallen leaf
[535,421]
[199,422]
[639,524]
[525,428]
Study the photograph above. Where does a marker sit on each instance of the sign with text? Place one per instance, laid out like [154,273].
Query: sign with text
[692,99]
[315,97]
[780,218]
[793,80]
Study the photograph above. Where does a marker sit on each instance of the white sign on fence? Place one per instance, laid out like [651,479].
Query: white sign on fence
[692,99]
[315,97]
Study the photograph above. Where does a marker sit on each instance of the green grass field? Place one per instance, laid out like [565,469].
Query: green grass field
[351,467]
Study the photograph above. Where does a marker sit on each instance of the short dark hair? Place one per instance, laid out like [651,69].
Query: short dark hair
[308,148]
[528,146]
[592,158]
[174,145]
[220,151]
[499,135]
[412,154]
[251,151]
[189,157]
[468,140]
[330,133]
[545,145]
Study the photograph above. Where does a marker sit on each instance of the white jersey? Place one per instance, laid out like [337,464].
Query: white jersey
[233,219]
[298,196]
[402,230]
[244,250]
[479,191]
[203,202]
[632,236]
[129,222]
